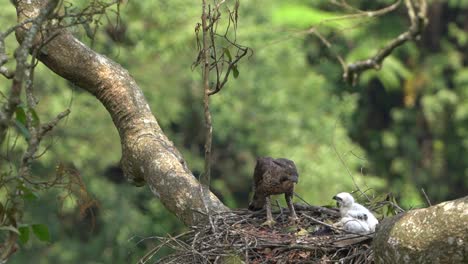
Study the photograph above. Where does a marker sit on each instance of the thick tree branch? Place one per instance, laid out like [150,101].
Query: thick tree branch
[437,234]
[417,10]
[147,154]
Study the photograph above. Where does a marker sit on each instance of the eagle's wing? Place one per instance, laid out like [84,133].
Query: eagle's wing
[354,225]
[360,212]
[261,170]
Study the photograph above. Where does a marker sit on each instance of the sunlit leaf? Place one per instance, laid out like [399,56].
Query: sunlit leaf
[302,232]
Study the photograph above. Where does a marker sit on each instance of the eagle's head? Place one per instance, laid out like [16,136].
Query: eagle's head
[344,199]
[288,171]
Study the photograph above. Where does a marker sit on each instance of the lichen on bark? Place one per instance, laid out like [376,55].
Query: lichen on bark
[437,234]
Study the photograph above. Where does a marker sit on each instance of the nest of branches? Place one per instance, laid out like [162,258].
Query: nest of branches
[239,237]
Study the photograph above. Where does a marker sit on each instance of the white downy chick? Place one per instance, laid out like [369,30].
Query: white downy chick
[355,218]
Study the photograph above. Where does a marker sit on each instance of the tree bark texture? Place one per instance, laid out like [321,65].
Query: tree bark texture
[437,234]
[147,154]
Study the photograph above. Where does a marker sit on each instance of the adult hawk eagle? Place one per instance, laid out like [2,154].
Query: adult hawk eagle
[355,218]
[273,176]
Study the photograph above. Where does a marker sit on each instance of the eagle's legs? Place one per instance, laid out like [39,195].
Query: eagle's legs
[269,222]
[292,217]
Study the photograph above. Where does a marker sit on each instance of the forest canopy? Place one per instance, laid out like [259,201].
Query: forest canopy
[401,129]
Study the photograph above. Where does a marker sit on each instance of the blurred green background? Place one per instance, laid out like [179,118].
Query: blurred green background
[400,129]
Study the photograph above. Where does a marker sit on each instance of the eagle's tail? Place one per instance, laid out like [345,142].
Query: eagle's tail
[257,202]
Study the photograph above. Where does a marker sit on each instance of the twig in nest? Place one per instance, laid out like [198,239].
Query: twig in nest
[239,235]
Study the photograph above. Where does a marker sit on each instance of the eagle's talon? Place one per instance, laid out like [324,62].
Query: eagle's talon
[269,223]
[293,219]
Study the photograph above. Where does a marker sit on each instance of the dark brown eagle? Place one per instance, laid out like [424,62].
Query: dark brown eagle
[273,176]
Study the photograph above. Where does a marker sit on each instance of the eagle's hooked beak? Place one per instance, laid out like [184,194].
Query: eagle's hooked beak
[338,200]
[293,178]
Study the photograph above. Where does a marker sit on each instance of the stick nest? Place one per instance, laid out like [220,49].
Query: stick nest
[238,237]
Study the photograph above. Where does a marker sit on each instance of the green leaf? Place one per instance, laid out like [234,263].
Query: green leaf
[41,231]
[22,129]
[235,71]
[35,117]
[20,115]
[28,194]
[226,51]
[24,234]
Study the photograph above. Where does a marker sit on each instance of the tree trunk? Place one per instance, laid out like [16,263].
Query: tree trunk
[147,154]
[438,234]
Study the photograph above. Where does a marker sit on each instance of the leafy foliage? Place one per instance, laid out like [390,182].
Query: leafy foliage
[401,129]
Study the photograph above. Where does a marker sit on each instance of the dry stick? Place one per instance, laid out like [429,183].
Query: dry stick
[33,144]
[344,163]
[14,99]
[426,197]
[206,177]
[320,209]
[155,250]
[418,21]
[334,227]
[358,15]
[361,14]
[21,55]
[241,50]
[352,71]
[206,246]
[231,65]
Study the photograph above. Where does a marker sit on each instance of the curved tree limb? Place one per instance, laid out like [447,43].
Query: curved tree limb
[147,154]
[437,234]
[417,13]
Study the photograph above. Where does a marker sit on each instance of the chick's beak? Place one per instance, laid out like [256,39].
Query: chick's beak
[335,197]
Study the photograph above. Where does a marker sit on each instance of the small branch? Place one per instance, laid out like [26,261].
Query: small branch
[220,85]
[206,177]
[334,227]
[155,250]
[214,60]
[35,140]
[426,197]
[21,55]
[418,20]
[5,72]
